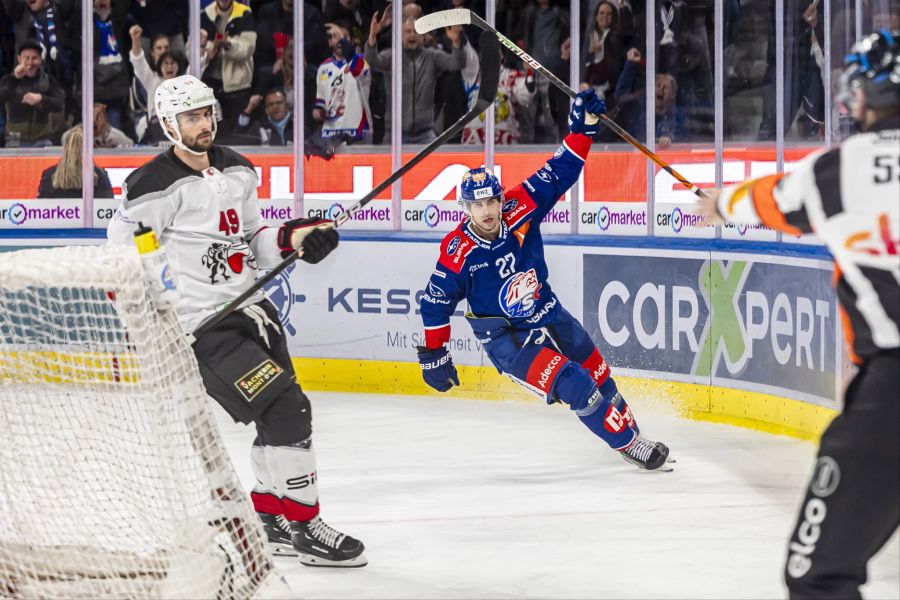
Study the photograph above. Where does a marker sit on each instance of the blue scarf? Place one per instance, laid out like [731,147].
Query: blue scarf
[109,46]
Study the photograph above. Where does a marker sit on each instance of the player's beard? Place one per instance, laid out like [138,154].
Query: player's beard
[201,143]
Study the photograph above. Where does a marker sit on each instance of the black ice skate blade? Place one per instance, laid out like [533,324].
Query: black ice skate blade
[282,550]
[663,468]
[316,561]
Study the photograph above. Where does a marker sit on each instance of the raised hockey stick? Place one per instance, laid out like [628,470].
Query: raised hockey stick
[464,16]
[489,57]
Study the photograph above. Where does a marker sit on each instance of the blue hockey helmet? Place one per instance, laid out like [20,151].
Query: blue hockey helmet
[873,66]
[479,184]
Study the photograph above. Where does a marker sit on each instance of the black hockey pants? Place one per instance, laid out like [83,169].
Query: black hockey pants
[252,377]
[852,504]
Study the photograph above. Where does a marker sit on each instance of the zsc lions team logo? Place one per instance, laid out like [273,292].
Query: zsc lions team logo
[518,294]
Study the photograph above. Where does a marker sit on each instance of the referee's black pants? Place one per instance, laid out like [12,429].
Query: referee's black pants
[852,504]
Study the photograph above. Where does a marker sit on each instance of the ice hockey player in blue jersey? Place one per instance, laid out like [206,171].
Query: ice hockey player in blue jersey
[495,260]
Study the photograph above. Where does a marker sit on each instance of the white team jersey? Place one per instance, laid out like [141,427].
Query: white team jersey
[512,96]
[850,197]
[342,91]
[208,223]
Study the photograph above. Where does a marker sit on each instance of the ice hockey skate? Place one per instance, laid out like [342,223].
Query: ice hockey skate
[320,545]
[278,531]
[647,454]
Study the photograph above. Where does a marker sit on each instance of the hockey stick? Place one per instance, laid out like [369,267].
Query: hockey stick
[464,16]
[489,57]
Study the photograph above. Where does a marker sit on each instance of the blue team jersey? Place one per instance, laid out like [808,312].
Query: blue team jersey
[505,277]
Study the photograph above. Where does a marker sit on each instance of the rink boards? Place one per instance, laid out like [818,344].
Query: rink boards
[745,333]
[740,333]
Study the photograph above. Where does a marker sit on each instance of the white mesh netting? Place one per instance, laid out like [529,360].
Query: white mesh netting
[114,481]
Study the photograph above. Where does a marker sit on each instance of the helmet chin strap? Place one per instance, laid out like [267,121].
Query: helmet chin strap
[194,152]
[179,142]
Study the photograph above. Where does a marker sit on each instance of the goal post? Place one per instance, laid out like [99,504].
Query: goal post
[114,480]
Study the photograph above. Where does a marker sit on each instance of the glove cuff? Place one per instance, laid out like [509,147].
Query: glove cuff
[579,144]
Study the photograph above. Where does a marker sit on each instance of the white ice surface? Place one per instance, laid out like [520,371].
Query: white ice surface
[475,499]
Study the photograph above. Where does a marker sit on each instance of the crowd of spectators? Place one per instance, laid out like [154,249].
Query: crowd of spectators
[247,58]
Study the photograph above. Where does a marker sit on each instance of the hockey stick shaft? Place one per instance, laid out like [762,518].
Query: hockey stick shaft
[458,16]
[486,97]
[340,220]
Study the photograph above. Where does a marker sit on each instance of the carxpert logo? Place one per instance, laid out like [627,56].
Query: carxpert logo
[760,322]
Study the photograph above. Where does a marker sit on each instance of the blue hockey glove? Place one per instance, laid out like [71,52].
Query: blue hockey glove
[585,114]
[437,368]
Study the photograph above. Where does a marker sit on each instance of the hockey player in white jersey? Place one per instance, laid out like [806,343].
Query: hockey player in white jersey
[850,197]
[201,201]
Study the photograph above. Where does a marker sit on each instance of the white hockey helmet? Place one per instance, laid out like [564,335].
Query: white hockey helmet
[180,94]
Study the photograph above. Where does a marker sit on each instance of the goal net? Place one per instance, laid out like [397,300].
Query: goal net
[114,480]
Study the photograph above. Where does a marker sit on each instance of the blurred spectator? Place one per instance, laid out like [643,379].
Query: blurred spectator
[670,119]
[354,15]
[47,21]
[630,101]
[34,100]
[547,40]
[515,91]
[631,22]
[162,17]
[64,179]
[684,49]
[161,43]
[342,90]
[421,66]
[276,128]
[602,52]
[693,71]
[628,110]
[139,101]
[275,24]
[7,59]
[105,135]
[804,93]
[232,41]
[112,79]
[456,91]
[886,16]
[147,76]
[477,6]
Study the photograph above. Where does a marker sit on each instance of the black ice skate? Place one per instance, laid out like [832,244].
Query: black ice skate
[278,530]
[322,546]
[647,454]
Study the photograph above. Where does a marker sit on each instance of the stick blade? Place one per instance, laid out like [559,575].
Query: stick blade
[443,18]
[489,59]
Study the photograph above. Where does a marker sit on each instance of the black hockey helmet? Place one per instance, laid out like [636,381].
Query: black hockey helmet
[874,66]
